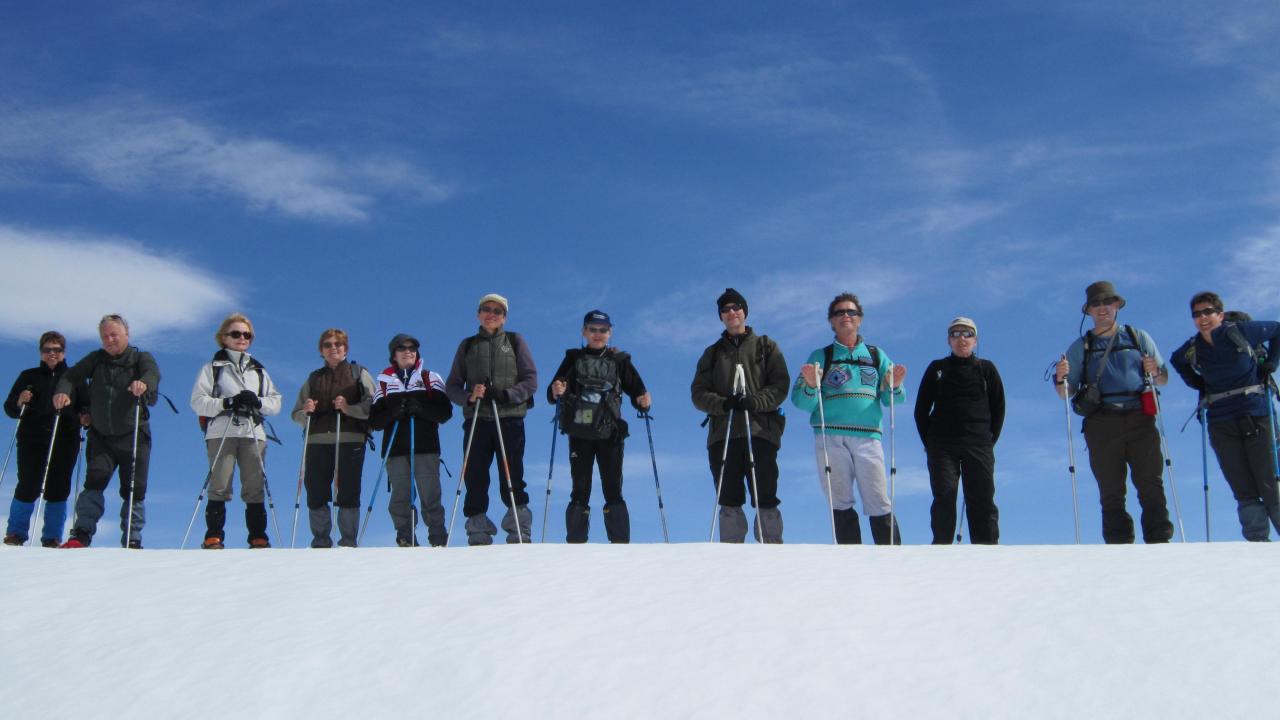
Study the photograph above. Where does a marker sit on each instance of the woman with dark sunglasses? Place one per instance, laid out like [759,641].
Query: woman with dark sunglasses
[232,393]
[31,400]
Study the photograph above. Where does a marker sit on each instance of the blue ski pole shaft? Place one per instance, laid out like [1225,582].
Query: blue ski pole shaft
[374,495]
[413,493]
[551,466]
[653,458]
[1204,465]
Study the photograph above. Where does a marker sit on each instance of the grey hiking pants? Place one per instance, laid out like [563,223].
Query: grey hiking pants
[243,452]
[426,474]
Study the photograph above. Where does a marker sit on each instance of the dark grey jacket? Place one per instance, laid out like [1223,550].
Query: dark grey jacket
[111,405]
[765,371]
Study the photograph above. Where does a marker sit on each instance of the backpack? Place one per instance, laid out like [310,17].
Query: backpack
[592,405]
[828,359]
[1237,338]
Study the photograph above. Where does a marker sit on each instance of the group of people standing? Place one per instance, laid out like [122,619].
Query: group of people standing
[741,382]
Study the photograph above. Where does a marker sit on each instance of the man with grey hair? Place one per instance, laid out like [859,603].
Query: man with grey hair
[122,378]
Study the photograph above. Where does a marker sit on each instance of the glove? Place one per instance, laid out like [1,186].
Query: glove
[412,408]
[733,402]
[397,408]
[499,396]
[247,400]
[751,403]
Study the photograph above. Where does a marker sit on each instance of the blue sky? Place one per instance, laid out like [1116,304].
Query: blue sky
[379,168]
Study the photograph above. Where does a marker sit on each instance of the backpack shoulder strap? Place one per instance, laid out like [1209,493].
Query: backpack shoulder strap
[1133,337]
[1240,341]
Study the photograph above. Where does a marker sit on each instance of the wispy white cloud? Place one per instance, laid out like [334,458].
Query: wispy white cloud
[67,281]
[143,149]
[1251,273]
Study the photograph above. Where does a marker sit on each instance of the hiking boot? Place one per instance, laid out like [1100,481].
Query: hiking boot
[407,542]
[135,544]
[259,544]
[212,543]
[49,542]
[14,539]
[76,541]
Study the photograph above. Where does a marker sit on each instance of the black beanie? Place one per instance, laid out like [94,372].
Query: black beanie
[401,339]
[731,296]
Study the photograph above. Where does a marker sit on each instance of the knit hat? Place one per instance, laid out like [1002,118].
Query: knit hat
[1101,290]
[963,322]
[731,296]
[397,341]
[596,317]
[496,298]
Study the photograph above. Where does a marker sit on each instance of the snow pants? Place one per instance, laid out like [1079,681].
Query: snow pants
[242,452]
[1244,449]
[320,478]
[1128,441]
[974,467]
[737,472]
[426,477]
[106,454]
[484,450]
[854,459]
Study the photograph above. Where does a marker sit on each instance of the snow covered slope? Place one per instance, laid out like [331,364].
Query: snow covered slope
[644,631]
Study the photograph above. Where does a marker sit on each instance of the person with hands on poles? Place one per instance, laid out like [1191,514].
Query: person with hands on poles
[745,424]
[1225,362]
[335,399]
[409,404]
[121,379]
[1106,374]
[231,394]
[45,459]
[589,385]
[493,379]
[857,382]
[959,414]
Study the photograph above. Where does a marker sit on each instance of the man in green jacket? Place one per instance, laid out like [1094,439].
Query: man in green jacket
[122,378]
[727,397]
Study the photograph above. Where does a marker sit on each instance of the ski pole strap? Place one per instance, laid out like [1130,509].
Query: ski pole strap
[172,407]
[1248,390]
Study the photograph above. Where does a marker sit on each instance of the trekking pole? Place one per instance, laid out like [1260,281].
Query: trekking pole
[963,511]
[724,458]
[1204,464]
[1275,456]
[893,463]
[826,459]
[373,495]
[337,447]
[462,472]
[555,425]
[81,460]
[1071,457]
[133,474]
[16,426]
[207,478]
[751,457]
[413,493]
[302,470]
[506,470]
[653,458]
[1168,461]
[266,485]
[44,482]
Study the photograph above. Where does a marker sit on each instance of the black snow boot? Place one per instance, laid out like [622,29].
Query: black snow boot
[880,530]
[617,522]
[215,518]
[848,530]
[1117,527]
[577,521]
[255,519]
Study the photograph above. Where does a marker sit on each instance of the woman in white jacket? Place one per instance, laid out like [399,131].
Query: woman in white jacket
[231,395]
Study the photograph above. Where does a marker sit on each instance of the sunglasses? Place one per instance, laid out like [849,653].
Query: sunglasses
[333,344]
[845,312]
[731,307]
[489,310]
[598,330]
[961,334]
[407,348]
[55,350]
[1101,301]
[1204,312]
[237,335]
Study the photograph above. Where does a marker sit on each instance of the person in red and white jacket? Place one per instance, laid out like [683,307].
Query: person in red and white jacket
[409,404]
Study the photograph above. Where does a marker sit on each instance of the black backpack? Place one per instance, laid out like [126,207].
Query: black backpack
[592,405]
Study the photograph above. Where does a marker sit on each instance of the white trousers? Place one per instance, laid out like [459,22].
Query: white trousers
[854,459]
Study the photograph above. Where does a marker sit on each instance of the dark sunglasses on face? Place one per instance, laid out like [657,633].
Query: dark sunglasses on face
[730,307]
[407,348]
[487,310]
[598,330]
[845,312]
[960,334]
[47,350]
[237,335]
[1101,301]
[1203,312]
[332,344]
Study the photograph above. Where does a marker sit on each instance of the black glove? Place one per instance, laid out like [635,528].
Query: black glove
[733,402]
[397,408]
[751,403]
[247,400]
[412,408]
[499,396]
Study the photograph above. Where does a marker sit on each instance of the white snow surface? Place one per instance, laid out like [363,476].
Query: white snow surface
[643,631]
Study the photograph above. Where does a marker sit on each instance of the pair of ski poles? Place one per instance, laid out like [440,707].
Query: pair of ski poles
[506,468]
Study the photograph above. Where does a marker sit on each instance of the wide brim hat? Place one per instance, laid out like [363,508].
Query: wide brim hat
[1101,290]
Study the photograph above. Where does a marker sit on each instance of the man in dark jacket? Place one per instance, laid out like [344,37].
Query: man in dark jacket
[410,398]
[494,368]
[31,399]
[588,385]
[763,388]
[123,381]
[959,413]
